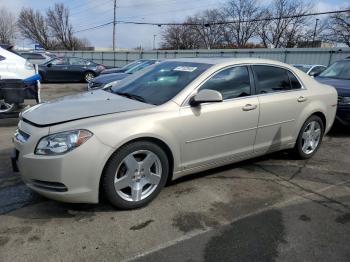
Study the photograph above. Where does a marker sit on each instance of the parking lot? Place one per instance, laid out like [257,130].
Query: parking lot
[271,208]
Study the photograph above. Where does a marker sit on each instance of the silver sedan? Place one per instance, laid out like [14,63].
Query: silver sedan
[172,119]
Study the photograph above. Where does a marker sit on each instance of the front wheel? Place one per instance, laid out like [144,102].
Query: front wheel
[310,138]
[135,175]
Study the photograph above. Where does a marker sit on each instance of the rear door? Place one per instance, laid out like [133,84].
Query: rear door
[282,98]
[77,67]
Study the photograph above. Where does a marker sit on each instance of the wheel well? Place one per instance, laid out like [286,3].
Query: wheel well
[156,141]
[89,71]
[323,118]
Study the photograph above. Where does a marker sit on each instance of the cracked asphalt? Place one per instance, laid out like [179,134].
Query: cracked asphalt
[271,208]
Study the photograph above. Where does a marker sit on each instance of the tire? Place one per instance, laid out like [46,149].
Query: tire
[151,165]
[306,151]
[7,107]
[88,76]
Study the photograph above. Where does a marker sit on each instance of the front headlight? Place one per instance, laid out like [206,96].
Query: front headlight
[61,143]
[111,84]
[344,100]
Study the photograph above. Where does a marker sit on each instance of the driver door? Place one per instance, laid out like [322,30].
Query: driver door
[220,132]
[57,69]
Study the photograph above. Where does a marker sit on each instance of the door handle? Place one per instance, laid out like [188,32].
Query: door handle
[302,99]
[249,107]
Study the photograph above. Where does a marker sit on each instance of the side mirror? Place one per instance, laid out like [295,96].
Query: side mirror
[49,65]
[206,96]
[314,73]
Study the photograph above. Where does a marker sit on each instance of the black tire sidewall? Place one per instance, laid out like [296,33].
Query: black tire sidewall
[111,168]
[298,147]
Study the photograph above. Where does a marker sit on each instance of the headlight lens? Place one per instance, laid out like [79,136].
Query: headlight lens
[344,100]
[61,143]
[111,84]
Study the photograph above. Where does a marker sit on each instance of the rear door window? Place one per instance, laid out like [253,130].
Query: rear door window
[271,79]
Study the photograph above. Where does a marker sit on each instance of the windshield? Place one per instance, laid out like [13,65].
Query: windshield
[339,70]
[132,64]
[303,68]
[139,67]
[160,82]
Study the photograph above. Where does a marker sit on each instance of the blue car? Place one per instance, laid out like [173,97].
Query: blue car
[107,80]
[338,75]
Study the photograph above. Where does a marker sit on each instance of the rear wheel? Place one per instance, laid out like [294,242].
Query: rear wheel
[310,138]
[6,107]
[135,175]
[88,76]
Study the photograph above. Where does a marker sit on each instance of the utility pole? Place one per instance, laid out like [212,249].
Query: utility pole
[313,38]
[154,42]
[114,10]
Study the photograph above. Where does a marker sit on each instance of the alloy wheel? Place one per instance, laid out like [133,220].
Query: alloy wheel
[138,175]
[5,107]
[311,137]
[89,77]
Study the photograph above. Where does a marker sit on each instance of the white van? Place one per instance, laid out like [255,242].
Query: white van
[13,66]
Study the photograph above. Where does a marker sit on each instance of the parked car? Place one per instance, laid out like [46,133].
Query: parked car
[37,57]
[338,75]
[108,80]
[124,68]
[17,80]
[311,70]
[173,118]
[69,69]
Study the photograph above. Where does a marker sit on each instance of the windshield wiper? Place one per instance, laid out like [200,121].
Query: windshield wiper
[131,96]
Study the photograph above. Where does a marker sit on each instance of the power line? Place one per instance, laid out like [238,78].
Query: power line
[216,23]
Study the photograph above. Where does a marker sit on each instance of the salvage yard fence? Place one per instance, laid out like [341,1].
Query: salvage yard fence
[322,56]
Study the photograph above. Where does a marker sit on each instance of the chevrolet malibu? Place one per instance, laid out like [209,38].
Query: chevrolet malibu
[174,118]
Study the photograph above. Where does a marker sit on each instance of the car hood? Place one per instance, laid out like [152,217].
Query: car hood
[342,85]
[105,79]
[80,106]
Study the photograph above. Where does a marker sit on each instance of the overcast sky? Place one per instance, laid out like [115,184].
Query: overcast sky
[89,13]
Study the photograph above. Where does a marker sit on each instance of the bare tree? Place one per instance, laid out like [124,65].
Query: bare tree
[244,14]
[339,28]
[179,37]
[285,23]
[61,28]
[209,28]
[32,25]
[7,27]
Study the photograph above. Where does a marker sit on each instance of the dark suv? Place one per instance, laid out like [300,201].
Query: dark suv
[338,75]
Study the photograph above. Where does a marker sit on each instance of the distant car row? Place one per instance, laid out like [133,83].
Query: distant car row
[74,69]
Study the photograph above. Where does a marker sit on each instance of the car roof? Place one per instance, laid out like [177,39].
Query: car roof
[222,60]
[308,65]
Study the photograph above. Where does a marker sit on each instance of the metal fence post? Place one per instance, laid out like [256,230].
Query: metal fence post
[285,56]
[330,57]
[102,57]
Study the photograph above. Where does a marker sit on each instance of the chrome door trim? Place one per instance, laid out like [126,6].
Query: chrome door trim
[185,103]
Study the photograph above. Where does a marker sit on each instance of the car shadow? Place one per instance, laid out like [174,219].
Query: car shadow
[339,130]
